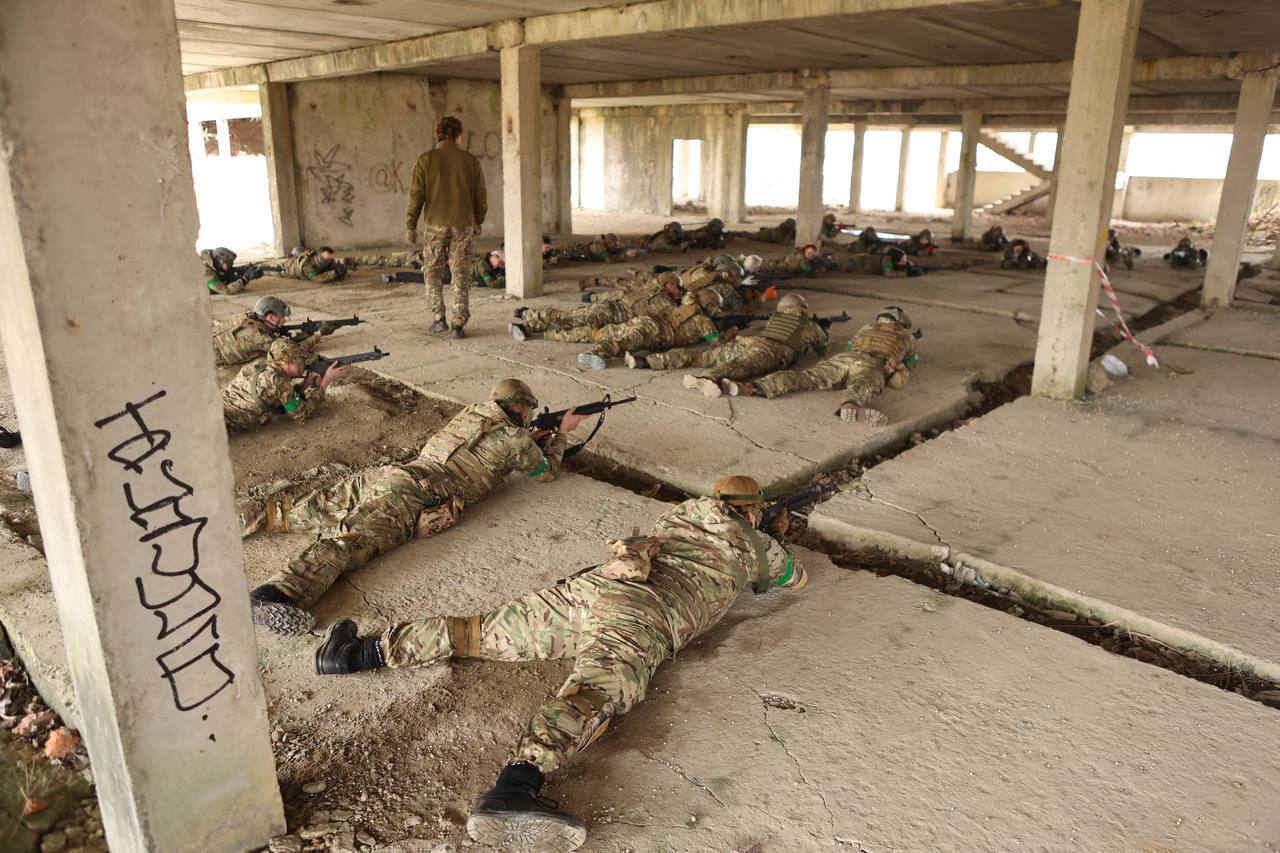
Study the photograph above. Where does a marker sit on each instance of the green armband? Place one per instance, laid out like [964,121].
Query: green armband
[486,278]
[910,361]
[541,469]
[785,577]
[212,284]
[849,346]
[711,336]
[293,403]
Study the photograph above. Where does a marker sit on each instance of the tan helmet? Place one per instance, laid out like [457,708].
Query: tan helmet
[286,351]
[793,302]
[751,263]
[897,315]
[671,277]
[270,305]
[738,490]
[514,391]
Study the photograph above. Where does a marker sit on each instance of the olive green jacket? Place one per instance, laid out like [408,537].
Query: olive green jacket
[448,183]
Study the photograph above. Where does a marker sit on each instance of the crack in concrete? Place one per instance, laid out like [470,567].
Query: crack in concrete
[1245,353]
[676,769]
[365,596]
[866,484]
[773,733]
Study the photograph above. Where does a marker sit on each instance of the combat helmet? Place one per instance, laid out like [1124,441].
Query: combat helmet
[271,305]
[286,351]
[897,315]
[752,263]
[514,391]
[223,259]
[794,303]
[738,490]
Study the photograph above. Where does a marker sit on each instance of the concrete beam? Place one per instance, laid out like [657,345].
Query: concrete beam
[522,170]
[1105,43]
[1256,97]
[966,177]
[859,161]
[121,420]
[813,148]
[277,136]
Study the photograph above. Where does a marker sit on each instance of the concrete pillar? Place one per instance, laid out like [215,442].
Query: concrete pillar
[277,138]
[855,175]
[1122,168]
[224,137]
[122,425]
[970,125]
[735,163]
[1102,67]
[940,188]
[813,148]
[1253,111]
[1057,173]
[904,160]
[522,169]
[563,223]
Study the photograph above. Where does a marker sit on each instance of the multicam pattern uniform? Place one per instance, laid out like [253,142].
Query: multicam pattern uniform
[411,258]
[700,555]
[247,339]
[216,283]
[447,245]
[484,274]
[645,299]
[260,392]
[307,265]
[784,232]
[682,326]
[790,266]
[876,351]
[784,339]
[370,514]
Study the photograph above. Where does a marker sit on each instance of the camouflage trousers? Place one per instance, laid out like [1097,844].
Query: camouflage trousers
[355,520]
[587,317]
[217,285]
[627,279]
[641,334]
[860,374]
[615,632]
[398,259]
[741,358]
[442,246]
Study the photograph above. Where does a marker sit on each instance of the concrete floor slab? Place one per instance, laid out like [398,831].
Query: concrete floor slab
[1158,496]
[1233,330]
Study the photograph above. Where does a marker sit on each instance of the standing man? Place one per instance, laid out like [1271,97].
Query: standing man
[448,183]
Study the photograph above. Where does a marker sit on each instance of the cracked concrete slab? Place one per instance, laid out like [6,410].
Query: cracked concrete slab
[1237,330]
[1158,496]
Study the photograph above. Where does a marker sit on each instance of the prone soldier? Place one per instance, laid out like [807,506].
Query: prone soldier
[1186,255]
[879,354]
[685,324]
[670,239]
[266,389]
[787,335]
[411,259]
[606,248]
[379,509]
[309,265]
[250,337]
[993,240]
[784,232]
[224,275]
[709,236]
[896,263]
[1019,256]
[868,241]
[803,261]
[1117,252]
[618,622]
[920,244]
[649,297]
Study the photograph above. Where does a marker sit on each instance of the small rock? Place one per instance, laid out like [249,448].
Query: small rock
[412,820]
[339,815]
[61,743]
[365,838]
[54,842]
[285,844]
[320,830]
[319,816]
[363,797]
[314,787]
[444,847]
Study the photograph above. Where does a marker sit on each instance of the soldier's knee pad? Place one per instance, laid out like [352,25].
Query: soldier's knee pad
[438,519]
[594,707]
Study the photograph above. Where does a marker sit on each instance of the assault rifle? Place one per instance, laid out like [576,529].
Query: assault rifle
[738,321]
[248,272]
[317,368]
[827,322]
[309,327]
[551,420]
[415,277]
[798,502]
[278,269]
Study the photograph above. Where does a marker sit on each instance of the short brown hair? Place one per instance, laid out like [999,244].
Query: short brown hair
[448,128]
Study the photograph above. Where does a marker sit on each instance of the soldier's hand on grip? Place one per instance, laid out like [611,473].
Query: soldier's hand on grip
[570,421]
[779,526]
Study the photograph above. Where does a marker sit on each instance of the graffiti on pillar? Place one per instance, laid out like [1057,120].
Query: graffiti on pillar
[385,177]
[170,588]
[330,176]
[488,146]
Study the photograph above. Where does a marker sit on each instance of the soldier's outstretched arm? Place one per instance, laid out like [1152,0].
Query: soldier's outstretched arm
[784,566]
[541,463]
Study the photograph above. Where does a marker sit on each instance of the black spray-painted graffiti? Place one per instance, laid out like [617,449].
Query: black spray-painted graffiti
[172,589]
[330,175]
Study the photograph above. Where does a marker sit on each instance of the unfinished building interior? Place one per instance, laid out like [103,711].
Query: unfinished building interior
[1040,610]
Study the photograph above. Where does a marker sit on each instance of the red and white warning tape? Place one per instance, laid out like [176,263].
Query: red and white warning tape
[1121,324]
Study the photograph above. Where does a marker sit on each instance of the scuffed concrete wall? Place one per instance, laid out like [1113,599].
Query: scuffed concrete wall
[356,140]
[1162,199]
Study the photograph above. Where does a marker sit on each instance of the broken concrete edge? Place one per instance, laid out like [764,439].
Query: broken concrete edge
[1017,315]
[871,542]
[1248,353]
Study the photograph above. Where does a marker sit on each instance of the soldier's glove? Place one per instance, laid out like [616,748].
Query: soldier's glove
[899,378]
[339,270]
[779,526]
[411,236]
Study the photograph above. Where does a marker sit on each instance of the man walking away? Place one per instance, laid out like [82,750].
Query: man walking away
[448,183]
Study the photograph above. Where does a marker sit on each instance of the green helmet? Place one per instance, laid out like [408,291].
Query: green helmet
[271,305]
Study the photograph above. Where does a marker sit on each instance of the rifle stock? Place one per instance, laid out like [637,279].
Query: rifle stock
[317,368]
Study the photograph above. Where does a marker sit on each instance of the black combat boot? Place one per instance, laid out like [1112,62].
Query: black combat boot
[519,313]
[636,362]
[457,333]
[511,815]
[343,652]
[275,611]
[439,326]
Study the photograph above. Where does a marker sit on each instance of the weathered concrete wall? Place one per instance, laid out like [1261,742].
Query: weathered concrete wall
[993,186]
[1160,199]
[635,160]
[357,138]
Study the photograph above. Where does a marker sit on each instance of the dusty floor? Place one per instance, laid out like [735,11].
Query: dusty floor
[862,713]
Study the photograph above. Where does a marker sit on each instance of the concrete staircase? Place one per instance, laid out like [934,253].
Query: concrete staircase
[1018,199]
[1025,162]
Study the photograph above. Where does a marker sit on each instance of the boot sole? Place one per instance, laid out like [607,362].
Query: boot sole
[283,619]
[528,831]
[591,360]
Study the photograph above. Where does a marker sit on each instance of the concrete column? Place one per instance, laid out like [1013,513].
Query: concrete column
[1275,259]
[122,425]
[735,163]
[224,137]
[855,175]
[575,162]
[277,137]
[1102,67]
[904,160]
[1057,173]
[1122,167]
[522,169]
[563,223]
[940,188]
[970,125]
[1257,92]
[813,148]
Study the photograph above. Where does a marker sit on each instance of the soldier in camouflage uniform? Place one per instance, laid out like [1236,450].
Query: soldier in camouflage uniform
[309,265]
[1186,256]
[993,240]
[618,622]
[896,263]
[830,226]
[881,353]
[490,271]
[920,244]
[375,511]
[411,259]
[803,261]
[670,239]
[266,389]
[683,325]
[867,241]
[783,233]
[1020,256]
[224,276]
[709,236]
[653,296]
[249,338]
[606,249]
[787,336]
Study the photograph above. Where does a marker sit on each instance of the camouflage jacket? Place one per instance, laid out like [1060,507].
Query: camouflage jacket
[707,554]
[705,238]
[484,275]
[790,266]
[777,234]
[912,246]
[220,282]
[796,333]
[247,339]
[411,258]
[662,242]
[646,299]
[476,451]
[891,346]
[307,265]
[260,392]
